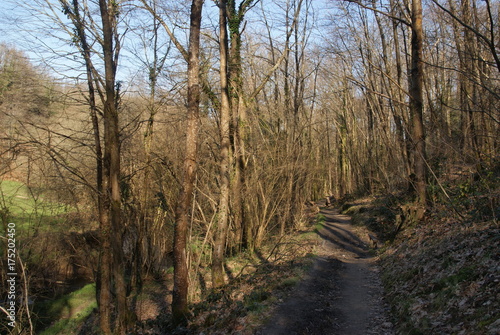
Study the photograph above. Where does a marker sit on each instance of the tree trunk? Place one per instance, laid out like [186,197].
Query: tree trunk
[235,81]
[180,293]
[225,114]
[416,104]
[112,230]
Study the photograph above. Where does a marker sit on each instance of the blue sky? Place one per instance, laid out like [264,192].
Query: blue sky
[23,29]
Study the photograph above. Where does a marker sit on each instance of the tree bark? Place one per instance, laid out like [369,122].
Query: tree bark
[112,230]
[225,115]
[416,104]
[398,114]
[238,123]
[180,292]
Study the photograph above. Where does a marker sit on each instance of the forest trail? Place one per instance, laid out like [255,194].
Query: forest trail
[342,293]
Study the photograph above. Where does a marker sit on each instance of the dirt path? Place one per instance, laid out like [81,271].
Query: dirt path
[342,294]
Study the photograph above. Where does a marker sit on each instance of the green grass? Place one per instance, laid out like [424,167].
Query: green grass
[33,213]
[254,301]
[27,208]
[70,310]
[290,282]
[320,222]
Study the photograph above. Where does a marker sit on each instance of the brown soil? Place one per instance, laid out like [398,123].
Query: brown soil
[342,294]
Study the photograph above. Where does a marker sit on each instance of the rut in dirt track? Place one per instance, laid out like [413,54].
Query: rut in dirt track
[342,293]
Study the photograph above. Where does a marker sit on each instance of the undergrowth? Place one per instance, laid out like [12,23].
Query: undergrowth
[244,304]
[68,312]
[441,275]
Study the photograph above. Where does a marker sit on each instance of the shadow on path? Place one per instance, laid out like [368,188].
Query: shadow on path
[337,231]
[340,295]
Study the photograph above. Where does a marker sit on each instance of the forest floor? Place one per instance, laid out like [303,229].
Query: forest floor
[437,277]
[326,277]
[342,293]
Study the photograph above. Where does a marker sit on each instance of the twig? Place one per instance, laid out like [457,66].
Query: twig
[26,299]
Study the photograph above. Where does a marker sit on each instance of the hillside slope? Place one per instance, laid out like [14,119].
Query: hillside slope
[441,276]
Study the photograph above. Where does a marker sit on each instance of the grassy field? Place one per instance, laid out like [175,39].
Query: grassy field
[41,229]
[28,209]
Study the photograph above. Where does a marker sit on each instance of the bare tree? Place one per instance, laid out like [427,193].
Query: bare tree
[225,147]
[112,286]
[180,293]
[416,104]
[236,15]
